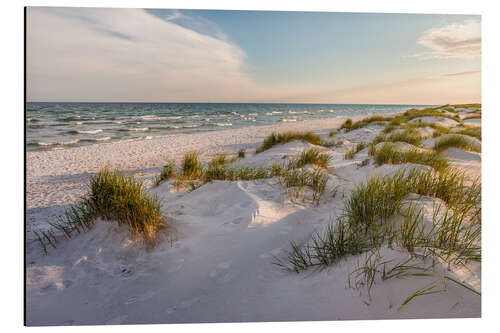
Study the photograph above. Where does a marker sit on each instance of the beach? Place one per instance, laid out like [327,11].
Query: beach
[216,260]
[57,177]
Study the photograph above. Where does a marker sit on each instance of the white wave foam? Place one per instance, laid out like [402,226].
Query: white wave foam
[46,143]
[70,142]
[223,124]
[273,112]
[253,114]
[118,121]
[90,132]
[141,129]
[288,120]
[106,138]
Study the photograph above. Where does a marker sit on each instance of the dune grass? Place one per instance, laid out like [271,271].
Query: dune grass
[312,156]
[111,196]
[349,154]
[191,166]
[388,154]
[241,153]
[471,131]
[429,112]
[410,136]
[299,178]
[166,173]
[457,141]
[348,125]
[368,222]
[476,116]
[466,106]
[374,217]
[285,137]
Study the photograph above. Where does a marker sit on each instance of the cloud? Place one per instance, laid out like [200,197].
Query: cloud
[459,40]
[86,54]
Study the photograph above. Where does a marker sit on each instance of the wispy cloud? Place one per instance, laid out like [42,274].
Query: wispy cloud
[459,40]
[90,54]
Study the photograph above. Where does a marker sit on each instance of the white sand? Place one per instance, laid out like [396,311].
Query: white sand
[214,262]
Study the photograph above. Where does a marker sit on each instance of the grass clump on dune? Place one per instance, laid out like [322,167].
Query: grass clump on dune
[241,153]
[111,196]
[374,216]
[471,131]
[191,166]
[298,179]
[458,141]
[388,154]
[348,125]
[477,116]
[312,156]
[466,106]
[429,112]
[410,136]
[349,154]
[438,129]
[285,137]
[166,173]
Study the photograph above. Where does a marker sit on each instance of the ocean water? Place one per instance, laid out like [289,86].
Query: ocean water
[66,125]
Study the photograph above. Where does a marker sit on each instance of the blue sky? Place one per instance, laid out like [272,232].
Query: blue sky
[254,56]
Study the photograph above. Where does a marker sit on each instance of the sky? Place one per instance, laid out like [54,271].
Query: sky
[161,55]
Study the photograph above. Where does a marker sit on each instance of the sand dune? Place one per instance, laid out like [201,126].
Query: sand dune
[215,261]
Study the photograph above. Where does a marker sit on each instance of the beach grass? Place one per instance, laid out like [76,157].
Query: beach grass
[477,116]
[111,196]
[429,112]
[191,166]
[457,141]
[348,125]
[299,178]
[311,156]
[471,131]
[410,136]
[285,137]
[388,154]
[374,216]
[166,173]
[349,154]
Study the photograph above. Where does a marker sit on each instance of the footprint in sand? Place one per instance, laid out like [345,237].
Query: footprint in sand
[219,270]
[131,300]
[126,272]
[183,305]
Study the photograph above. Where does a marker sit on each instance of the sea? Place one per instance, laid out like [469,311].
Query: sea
[65,125]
